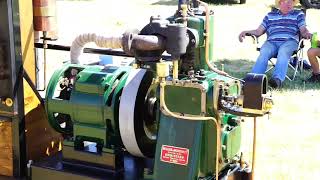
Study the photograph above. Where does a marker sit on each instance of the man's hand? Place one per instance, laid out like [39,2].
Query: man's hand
[257,32]
[242,35]
[307,35]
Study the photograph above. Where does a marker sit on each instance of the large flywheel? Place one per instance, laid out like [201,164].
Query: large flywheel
[137,114]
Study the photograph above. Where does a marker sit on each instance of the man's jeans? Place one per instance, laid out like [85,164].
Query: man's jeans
[282,51]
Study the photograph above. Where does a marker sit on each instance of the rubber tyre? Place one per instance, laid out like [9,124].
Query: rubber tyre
[310,3]
[243,1]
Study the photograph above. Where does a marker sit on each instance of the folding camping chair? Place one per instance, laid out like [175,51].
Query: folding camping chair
[295,61]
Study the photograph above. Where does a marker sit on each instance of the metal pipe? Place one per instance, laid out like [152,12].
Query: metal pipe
[184,13]
[45,46]
[147,42]
[207,26]
[254,147]
[181,2]
[175,70]
[110,52]
[139,42]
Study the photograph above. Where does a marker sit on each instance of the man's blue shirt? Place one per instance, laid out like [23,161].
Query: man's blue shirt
[281,27]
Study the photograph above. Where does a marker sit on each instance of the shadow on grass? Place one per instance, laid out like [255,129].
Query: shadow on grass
[300,83]
[235,67]
[240,67]
[166,2]
[223,2]
[175,2]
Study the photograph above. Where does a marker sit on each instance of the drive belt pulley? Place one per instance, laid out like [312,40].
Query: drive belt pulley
[134,114]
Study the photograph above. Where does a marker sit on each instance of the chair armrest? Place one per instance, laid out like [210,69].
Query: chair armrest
[301,43]
[254,38]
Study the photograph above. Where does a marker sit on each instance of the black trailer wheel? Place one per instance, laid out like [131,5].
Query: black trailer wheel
[243,1]
[311,3]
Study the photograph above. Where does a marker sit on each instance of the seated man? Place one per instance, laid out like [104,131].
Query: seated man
[282,27]
[312,55]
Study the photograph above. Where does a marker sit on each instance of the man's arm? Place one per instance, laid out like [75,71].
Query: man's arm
[257,32]
[305,32]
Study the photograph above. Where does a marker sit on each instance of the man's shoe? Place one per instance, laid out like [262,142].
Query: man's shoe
[314,78]
[275,83]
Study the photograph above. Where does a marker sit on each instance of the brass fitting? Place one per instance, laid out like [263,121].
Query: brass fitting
[267,104]
[9,102]
[184,10]
[162,69]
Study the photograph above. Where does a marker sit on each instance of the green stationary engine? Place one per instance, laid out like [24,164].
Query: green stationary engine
[87,105]
[182,112]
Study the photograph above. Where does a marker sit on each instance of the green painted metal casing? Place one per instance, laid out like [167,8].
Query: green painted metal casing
[231,136]
[198,23]
[93,104]
[198,137]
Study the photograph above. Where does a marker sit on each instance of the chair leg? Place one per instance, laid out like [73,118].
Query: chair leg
[269,69]
[289,78]
[295,68]
[301,65]
[272,66]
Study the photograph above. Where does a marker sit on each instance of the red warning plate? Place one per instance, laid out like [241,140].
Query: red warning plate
[174,155]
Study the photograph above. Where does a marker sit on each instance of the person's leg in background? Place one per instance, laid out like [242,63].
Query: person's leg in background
[285,52]
[312,56]
[267,51]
